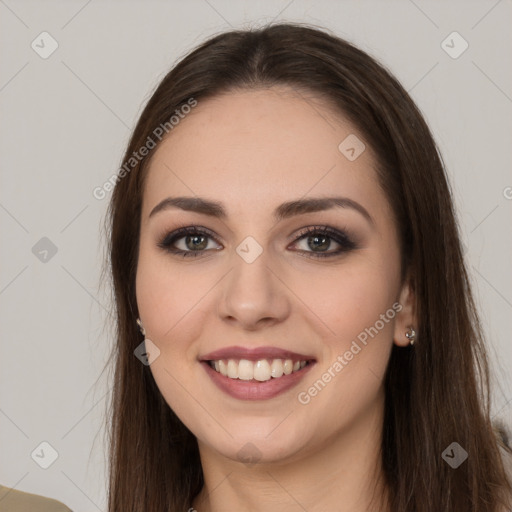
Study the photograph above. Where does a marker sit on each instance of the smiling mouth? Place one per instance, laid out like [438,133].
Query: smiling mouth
[261,370]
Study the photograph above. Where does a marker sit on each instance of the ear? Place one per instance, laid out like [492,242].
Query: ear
[406,317]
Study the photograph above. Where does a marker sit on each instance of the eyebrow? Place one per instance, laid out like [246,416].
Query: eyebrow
[283,211]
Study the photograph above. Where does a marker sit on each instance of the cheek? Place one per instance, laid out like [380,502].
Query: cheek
[350,298]
[356,301]
[348,381]
[168,298]
[169,301]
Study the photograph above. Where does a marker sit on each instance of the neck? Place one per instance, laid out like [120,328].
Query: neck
[343,473]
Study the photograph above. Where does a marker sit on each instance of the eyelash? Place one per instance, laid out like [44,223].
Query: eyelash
[338,236]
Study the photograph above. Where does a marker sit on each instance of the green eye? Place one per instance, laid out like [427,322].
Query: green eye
[197,240]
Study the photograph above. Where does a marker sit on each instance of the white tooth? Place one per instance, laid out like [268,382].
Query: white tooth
[276,369]
[232,369]
[245,370]
[288,367]
[262,370]
[223,368]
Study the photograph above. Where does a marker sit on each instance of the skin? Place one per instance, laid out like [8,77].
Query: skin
[253,150]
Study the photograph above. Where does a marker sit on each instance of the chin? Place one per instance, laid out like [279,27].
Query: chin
[261,443]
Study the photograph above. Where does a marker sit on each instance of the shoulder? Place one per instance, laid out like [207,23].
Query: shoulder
[502,437]
[506,455]
[505,452]
[12,500]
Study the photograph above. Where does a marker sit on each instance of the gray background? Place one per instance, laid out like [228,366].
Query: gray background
[65,122]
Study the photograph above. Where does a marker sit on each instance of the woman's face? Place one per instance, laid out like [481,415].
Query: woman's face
[265,283]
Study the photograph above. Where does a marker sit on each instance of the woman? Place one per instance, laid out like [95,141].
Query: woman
[283,235]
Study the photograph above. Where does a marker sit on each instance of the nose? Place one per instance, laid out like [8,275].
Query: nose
[254,295]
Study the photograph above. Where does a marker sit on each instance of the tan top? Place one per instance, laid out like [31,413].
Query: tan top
[506,456]
[12,500]
[507,461]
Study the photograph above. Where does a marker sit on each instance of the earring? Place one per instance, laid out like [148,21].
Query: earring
[142,330]
[411,335]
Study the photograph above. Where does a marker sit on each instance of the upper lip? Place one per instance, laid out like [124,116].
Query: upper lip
[254,354]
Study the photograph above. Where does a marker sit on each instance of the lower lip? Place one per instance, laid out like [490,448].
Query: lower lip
[253,389]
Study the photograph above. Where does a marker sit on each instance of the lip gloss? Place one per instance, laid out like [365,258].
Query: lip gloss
[253,389]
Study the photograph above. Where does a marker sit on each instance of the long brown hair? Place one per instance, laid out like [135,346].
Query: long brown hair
[437,391]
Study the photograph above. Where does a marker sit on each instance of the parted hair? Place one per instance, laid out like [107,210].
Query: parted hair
[436,392]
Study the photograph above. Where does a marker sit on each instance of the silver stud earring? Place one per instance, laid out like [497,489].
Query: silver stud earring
[142,330]
[411,335]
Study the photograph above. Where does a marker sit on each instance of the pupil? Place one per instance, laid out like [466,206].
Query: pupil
[194,239]
[323,245]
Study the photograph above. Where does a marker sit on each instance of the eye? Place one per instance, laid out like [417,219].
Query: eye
[320,238]
[195,240]
[192,241]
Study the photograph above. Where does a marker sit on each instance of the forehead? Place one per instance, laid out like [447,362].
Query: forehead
[252,148]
